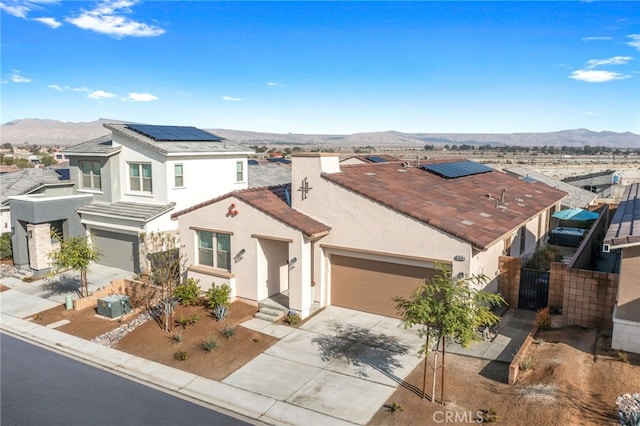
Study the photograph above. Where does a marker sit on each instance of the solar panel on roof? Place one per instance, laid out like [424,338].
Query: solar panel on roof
[376,159]
[173,133]
[456,169]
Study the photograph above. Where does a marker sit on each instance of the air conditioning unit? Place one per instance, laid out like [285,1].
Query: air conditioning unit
[114,306]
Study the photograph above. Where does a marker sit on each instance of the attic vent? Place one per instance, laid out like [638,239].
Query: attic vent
[402,170]
[370,174]
[485,215]
[528,195]
[467,222]
[503,207]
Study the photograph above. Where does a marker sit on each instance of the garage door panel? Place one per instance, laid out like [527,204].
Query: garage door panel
[117,250]
[370,286]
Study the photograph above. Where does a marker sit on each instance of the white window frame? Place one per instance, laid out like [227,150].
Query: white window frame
[141,178]
[177,176]
[239,171]
[91,175]
[218,257]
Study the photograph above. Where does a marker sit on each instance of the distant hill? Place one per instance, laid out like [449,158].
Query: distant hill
[52,132]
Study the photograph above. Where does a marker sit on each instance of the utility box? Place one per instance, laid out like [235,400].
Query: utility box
[114,306]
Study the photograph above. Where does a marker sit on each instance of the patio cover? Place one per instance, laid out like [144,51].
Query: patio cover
[576,214]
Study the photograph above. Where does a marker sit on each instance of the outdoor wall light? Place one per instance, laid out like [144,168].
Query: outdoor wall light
[292,261]
[459,258]
[30,234]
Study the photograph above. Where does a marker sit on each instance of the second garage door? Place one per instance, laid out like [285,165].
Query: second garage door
[117,250]
[370,286]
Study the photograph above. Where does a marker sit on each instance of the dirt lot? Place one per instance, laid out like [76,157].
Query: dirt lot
[564,385]
[151,342]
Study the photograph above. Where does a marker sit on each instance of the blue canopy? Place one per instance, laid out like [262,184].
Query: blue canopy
[576,214]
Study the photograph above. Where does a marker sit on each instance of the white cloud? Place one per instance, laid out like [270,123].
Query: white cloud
[616,60]
[107,18]
[274,84]
[100,94]
[596,38]
[21,8]
[635,41]
[142,97]
[229,98]
[58,88]
[51,22]
[596,76]
[17,77]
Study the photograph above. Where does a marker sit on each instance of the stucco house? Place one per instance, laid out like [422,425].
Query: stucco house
[624,235]
[358,235]
[125,184]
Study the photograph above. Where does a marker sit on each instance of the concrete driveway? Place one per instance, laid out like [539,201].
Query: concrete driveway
[342,363]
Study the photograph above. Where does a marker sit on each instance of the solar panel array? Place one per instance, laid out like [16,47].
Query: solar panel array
[457,169]
[173,133]
[376,159]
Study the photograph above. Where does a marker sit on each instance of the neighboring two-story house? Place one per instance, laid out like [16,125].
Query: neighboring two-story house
[358,235]
[128,183]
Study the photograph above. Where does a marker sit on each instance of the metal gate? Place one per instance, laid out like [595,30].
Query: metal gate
[534,289]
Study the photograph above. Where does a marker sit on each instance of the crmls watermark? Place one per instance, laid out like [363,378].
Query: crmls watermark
[457,417]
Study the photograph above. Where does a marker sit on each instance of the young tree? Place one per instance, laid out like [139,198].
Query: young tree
[75,253]
[165,264]
[447,308]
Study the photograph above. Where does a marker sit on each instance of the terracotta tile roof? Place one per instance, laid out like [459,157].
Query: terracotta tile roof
[625,225]
[271,201]
[469,207]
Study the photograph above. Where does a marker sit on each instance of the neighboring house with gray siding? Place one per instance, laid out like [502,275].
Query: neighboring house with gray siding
[130,181]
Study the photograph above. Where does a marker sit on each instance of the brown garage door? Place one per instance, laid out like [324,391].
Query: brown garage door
[370,286]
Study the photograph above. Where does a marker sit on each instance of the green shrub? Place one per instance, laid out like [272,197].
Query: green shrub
[394,407]
[542,258]
[177,337]
[525,363]
[293,318]
[6,250]
[228,332]
[209,344]
[185,321]
[187,292]
[218,295]
[181,355]
[489,416]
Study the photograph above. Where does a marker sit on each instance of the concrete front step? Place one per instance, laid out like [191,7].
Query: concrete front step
[269,314]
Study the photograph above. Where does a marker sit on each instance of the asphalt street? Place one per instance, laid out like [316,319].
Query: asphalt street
[41,387]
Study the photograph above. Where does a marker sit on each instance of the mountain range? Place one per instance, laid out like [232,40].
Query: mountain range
[52,132]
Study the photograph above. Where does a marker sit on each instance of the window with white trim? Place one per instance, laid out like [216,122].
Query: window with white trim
[178,172]
[140,177]
[214,249]
[239,171]
[90,175]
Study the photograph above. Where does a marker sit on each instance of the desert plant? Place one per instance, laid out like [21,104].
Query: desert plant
[209,344]
[38,317]
[525,363]
[181,356]
[623,356]
[188,292]
[177,338]
[394,407]
[543,318]
[6,250]
[293,318]
[228,332]
[256,339]
[185,321]
[218,295]
[220,312]
[489,416]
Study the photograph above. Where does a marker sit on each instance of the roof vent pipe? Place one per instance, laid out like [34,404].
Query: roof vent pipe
[504,190]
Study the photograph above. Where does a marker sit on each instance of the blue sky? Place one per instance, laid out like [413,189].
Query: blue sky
[326,67]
